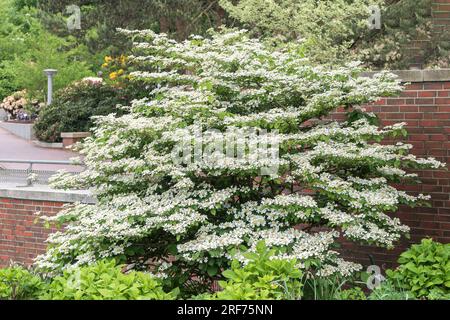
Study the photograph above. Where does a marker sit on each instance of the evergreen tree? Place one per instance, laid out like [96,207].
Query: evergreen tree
[336,31]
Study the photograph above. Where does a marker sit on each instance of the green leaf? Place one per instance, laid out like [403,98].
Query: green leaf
[230,274]
[212,270]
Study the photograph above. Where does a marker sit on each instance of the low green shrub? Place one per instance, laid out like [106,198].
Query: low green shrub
[261,278]
[424,270]
[388,291]
[355,293]
[106,281]
[73,108]
[204,296]
[17,283]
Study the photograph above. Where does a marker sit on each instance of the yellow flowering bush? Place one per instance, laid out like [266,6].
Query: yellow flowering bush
[115,68]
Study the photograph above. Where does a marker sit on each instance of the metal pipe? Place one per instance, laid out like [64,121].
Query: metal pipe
[63,162]
[29,171]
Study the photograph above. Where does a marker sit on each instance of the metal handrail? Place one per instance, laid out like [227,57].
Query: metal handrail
[29,170]
[63,162]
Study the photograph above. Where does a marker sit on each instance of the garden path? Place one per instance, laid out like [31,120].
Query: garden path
[15,148]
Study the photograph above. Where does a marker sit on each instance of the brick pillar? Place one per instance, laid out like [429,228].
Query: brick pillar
[441,14]
[440,19]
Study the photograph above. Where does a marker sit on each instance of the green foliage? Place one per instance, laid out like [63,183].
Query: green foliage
[403,22]
[100,19]
[12,29]
[438,294]
[335,31]
[73,108]
[11,43]
[261,278]
[204,296]
[327,28]
[198,213]
[20,4]
[424,270]
[105,281]
[7,84]
[17,283]
[26,49]
[46,51]
[355,293]
[388,291]
[324,288]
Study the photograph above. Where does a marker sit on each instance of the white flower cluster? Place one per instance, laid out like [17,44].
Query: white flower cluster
[330,175]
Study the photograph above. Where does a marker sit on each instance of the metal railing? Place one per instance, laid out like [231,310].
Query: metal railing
[31,176]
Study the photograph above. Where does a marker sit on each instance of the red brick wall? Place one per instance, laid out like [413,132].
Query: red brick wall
[440,19]
[426,108]
[441,14]
[21,240]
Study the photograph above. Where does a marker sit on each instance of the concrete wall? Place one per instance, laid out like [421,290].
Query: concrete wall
[22,130]
[3,115]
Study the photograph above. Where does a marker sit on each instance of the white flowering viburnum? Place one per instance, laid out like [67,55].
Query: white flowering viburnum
[192,218]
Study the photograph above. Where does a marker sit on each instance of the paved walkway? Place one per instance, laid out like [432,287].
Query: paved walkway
[15,148]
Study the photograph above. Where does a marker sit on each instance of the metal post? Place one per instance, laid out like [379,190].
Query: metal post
[29,172]
[50,73]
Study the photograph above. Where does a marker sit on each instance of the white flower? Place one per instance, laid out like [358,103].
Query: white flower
[329,175]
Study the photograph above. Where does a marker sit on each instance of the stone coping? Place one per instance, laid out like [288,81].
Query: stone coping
[75,134]
[53,145]
[418,75]
[45,193]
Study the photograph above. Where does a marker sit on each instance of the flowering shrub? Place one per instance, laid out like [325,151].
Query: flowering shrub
[115,67]
[16,104]
[74,106]
[331,178]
